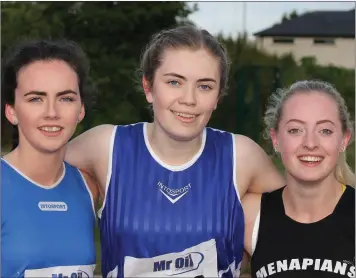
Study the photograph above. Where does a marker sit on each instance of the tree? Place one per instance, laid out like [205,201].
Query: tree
[113,34]
[289,16]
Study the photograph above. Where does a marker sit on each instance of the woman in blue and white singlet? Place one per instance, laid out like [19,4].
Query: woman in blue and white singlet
[172,188]
[47,206]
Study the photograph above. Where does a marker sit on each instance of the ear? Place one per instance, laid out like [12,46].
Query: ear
[273,135]
[345,140]
[81,114]
[147,89]
[11,114]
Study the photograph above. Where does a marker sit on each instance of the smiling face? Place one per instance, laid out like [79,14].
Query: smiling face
[184,92]
[310,136]
[47,105]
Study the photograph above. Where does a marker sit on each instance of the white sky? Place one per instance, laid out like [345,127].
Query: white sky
[227,16]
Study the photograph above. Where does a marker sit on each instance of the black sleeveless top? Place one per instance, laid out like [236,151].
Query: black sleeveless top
[286,248]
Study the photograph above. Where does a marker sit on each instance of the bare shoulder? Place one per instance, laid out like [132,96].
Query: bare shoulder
[245,146]
[251,204]
[100,130]
[255,170]
[90,151]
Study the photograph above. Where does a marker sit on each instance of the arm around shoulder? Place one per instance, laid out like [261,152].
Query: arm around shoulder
[90,151]
[255,171]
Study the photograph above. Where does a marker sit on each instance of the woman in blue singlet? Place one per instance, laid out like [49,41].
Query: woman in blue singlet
[172,188]
[47,206]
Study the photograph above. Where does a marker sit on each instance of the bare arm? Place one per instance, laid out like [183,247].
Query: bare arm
[255,171]
[251,204]
[90,153]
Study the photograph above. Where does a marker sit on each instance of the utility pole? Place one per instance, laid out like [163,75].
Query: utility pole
[244,7]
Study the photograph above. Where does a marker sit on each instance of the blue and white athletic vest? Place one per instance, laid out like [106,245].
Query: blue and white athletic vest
[46,231]
[181,221]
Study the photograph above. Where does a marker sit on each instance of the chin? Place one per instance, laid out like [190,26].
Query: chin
[51,148]
[309,178]
[185,134]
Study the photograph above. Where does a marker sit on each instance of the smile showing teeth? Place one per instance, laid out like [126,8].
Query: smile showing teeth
[50,128]
[311,158]
[184,115]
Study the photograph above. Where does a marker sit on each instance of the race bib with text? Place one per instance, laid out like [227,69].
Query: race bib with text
[194,261]
[73,271]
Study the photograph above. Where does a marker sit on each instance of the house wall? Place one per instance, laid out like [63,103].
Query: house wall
[340,54]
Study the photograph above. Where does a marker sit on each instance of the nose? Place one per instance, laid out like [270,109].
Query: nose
[189,97]
[51,110]
[311,140]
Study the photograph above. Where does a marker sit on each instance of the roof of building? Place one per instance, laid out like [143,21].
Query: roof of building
[315,24]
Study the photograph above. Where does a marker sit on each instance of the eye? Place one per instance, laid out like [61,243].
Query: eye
[174,83]
[326,131]
[67,99]
[35,99]
[205,87]
[294,130]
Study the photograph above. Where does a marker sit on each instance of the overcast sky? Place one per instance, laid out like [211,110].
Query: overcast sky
[227,16]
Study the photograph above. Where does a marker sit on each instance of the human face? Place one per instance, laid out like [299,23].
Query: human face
[47,105]
[185,92]
[310,136]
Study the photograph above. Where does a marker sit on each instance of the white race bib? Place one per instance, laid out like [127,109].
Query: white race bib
[72,271]
[197,260]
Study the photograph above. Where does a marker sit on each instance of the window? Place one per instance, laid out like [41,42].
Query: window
[283,40]
[328,41]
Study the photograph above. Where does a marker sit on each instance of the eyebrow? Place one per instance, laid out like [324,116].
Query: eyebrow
[41,93]
[206,79]
[318,122]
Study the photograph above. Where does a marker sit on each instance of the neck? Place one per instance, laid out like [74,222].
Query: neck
[169,150]
[43,168]
[311,202]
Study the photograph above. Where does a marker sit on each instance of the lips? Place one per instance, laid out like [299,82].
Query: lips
[50,128]
[185,115]
[310,158]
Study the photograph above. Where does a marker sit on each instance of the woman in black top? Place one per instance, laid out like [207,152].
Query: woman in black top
[307,228]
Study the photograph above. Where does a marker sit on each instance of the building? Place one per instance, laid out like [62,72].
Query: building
[329,36]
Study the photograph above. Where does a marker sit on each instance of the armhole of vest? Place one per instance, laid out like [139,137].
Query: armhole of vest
[234,178]
[91,195]
[255,230]
[108,176]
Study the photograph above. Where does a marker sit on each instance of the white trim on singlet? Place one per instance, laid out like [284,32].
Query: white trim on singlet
[35,183]
[256,227]
[89,191]
[108,176]
[170,167]
[234,178]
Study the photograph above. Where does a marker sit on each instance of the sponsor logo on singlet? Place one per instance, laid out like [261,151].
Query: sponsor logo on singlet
[186,263]
[194,261]
[53,206]
[72,271]
[77,274]
[305,264]
[173,195]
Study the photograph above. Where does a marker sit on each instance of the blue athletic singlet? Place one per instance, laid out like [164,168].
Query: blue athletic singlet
[160,221]
[46,231]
